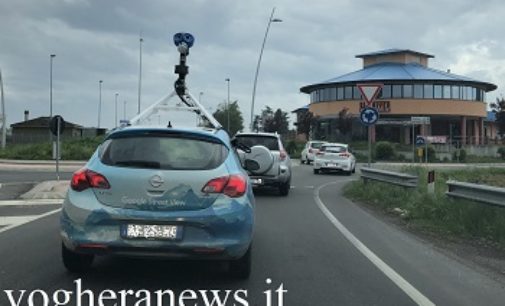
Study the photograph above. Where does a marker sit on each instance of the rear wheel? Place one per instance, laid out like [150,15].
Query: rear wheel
[316,171]
[284,188]
[241,268]
[75,262]
[354,169]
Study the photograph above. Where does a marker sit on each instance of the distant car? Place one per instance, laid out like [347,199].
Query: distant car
[160,192]
[310,150]
[335,157]
[277,170]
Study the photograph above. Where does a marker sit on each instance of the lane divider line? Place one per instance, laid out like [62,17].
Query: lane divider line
[396,278]
[27,220]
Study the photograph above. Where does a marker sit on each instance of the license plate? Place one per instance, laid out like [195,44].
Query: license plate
[257,181]
[331,164]
[167,232]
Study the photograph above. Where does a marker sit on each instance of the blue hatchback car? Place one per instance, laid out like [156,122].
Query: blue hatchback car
[160,192]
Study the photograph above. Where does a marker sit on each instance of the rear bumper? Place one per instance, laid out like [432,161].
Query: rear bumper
[283,177]
[222,231]
[333,165]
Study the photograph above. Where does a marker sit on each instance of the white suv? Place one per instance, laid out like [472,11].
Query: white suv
[310,150]
[277,173]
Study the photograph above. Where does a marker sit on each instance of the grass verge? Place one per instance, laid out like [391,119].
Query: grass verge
[438,213]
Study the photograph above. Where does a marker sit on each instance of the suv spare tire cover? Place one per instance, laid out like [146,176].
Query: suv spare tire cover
[263,157]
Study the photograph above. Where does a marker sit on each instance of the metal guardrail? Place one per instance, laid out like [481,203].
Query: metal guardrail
[395,178]
[475,192]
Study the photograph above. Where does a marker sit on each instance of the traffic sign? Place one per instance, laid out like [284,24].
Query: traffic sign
[420,140]
[53,125]
[369,116]
[420,120]
[369,92]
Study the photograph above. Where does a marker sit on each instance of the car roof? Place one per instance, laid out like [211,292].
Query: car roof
[258,134]
[217,133]
[321,141]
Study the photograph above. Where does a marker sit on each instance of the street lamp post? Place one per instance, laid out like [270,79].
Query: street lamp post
[228,106]
[124,110]
[115,108]
[270,20]
[51,57]
[99,101]
[4,116]
[140,72]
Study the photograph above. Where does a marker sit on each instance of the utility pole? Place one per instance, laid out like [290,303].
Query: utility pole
[140,71]
[115,112]
[4,117]
[99,101]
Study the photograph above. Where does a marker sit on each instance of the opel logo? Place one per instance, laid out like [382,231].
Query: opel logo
[156,181]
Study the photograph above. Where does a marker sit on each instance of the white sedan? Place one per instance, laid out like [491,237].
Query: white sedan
[334,157]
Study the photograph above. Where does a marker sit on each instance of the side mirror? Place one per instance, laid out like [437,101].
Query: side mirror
[258,161]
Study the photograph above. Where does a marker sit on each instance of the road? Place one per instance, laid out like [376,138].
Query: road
[323,249]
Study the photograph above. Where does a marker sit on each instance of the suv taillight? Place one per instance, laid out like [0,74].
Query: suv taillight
[233,186]
[283,154]
[320,153]
[84,179]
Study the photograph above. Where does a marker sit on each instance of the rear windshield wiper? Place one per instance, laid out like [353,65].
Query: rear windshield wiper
[139,163]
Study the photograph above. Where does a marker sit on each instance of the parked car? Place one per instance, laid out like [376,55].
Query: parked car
[335,157]
[310,150]
[276,171]
[160,192]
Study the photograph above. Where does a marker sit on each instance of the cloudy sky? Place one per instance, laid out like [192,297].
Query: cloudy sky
[99,40]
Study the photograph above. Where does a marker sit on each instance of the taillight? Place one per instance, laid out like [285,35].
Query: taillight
[347,155]
[319,153]
[84,179]
[283,154]
[311,151]
[233,186]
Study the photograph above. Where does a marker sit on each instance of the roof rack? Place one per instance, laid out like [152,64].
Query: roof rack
[183,42]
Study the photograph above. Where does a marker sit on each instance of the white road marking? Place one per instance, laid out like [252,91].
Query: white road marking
[23,220]
[30,202]
[396,278]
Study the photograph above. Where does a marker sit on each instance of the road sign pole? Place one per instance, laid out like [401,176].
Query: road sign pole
[425,144]
[413,143]
[369,145]
[58,149]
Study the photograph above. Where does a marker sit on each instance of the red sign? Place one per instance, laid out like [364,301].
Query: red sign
[369,92]
[381,106]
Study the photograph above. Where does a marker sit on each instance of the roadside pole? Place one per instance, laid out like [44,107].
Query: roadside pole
[58,126]
[413,143]
[369,145]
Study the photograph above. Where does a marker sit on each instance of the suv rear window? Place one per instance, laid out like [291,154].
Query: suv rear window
[316,145]
[163,152]
[272,143]
[334,149]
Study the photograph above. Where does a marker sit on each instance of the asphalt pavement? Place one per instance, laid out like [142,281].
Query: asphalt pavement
[322,248]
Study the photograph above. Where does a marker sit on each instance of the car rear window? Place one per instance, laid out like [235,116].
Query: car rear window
[316,145]
[270,142]
[334,149]
[163,152]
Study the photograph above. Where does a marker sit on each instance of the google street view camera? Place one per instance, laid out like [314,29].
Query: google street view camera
[152,114]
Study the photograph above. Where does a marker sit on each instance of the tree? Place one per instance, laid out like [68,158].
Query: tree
[305,123]
[236,119]
[344,121]
[499,109]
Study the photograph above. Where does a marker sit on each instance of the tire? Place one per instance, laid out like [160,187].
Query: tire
[241,268]
[75,262]
[302,161]
[316,171]
[284,188]
[354,169]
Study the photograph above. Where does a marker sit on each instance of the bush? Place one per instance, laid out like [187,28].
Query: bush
[501,151]
[294,148]
[384,151]
[462,155]
[432,156]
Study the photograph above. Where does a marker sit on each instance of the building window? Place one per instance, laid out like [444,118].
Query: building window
[446,91]
[348,93]
[428,91]
[437,91]
[333,94]
[356,93]
[407,91]
[397,91]
[386,92]
[418,91]
[455,93]
[340,93]
[474,94]
[468,93]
